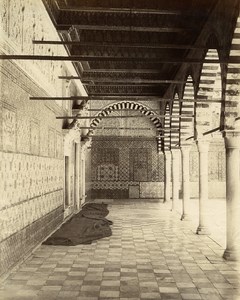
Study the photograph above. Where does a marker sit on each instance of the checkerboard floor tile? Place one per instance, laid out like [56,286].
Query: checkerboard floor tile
[151,255]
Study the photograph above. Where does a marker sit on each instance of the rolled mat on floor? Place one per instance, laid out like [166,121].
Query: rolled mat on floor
[88,225]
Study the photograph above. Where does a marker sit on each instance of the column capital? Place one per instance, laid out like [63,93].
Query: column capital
[232,139]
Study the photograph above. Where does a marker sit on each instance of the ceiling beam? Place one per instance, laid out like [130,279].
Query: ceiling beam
[64,27]
[121,81]
[124,117]
[122,45]
[77,58]
[131,128]
[94,83]
[123,109]
[122,10]
[126,98]
[120,128]
[131,71]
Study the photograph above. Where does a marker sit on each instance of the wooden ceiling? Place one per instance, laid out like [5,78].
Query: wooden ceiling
[135,47]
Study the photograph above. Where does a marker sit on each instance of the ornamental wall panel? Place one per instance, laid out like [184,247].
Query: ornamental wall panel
[119,165]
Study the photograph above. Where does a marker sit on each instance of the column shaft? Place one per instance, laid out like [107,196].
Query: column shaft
[175,177]
[203,186]
[77,175]
[185,151]
[83,180]
[232,251]
[167,177]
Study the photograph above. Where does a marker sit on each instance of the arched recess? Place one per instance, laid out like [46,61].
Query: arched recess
[134,106]
[167,127]
[175,123]
[207,115]
[187,108]
[232,104]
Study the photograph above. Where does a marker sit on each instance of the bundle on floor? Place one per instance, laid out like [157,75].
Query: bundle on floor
[88,225]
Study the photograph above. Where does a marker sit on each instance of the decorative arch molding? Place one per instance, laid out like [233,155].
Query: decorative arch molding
[134,106]
[187,108]
[206,91]
[128,105]
[232,104]
[175,122]
[167,127]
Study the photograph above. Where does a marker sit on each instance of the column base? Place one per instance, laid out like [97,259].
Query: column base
[203,230]
[231,255]
[185,217]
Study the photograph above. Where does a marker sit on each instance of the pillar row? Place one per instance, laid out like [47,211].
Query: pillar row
[203,146]
[232,145]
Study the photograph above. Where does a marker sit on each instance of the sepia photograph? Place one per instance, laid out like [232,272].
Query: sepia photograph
[119,149]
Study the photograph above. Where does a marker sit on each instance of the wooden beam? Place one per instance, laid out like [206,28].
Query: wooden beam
[124,109]
[132,71]
[128,98]
[119,117]
[123,10]
[121,128]
[63,27]
[212,130]
[81,44]
[123,84]
[121,81]
[129,128]
[77,58]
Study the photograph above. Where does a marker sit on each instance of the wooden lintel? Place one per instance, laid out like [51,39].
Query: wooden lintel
[77,58]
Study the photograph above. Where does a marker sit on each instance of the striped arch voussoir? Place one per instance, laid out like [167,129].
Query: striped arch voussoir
[134,106]
[127,105]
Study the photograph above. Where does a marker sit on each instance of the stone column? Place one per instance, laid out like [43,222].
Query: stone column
[185,151]
[175,176]
[85,146]
[77,175]
[167,177]
[232,144]
[203,146]
[83,177]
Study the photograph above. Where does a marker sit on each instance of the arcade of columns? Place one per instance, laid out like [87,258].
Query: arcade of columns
[200,131]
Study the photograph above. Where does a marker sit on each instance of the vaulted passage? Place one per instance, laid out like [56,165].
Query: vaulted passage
[130,103]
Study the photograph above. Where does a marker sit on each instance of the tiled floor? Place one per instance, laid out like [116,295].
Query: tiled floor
[151,255]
